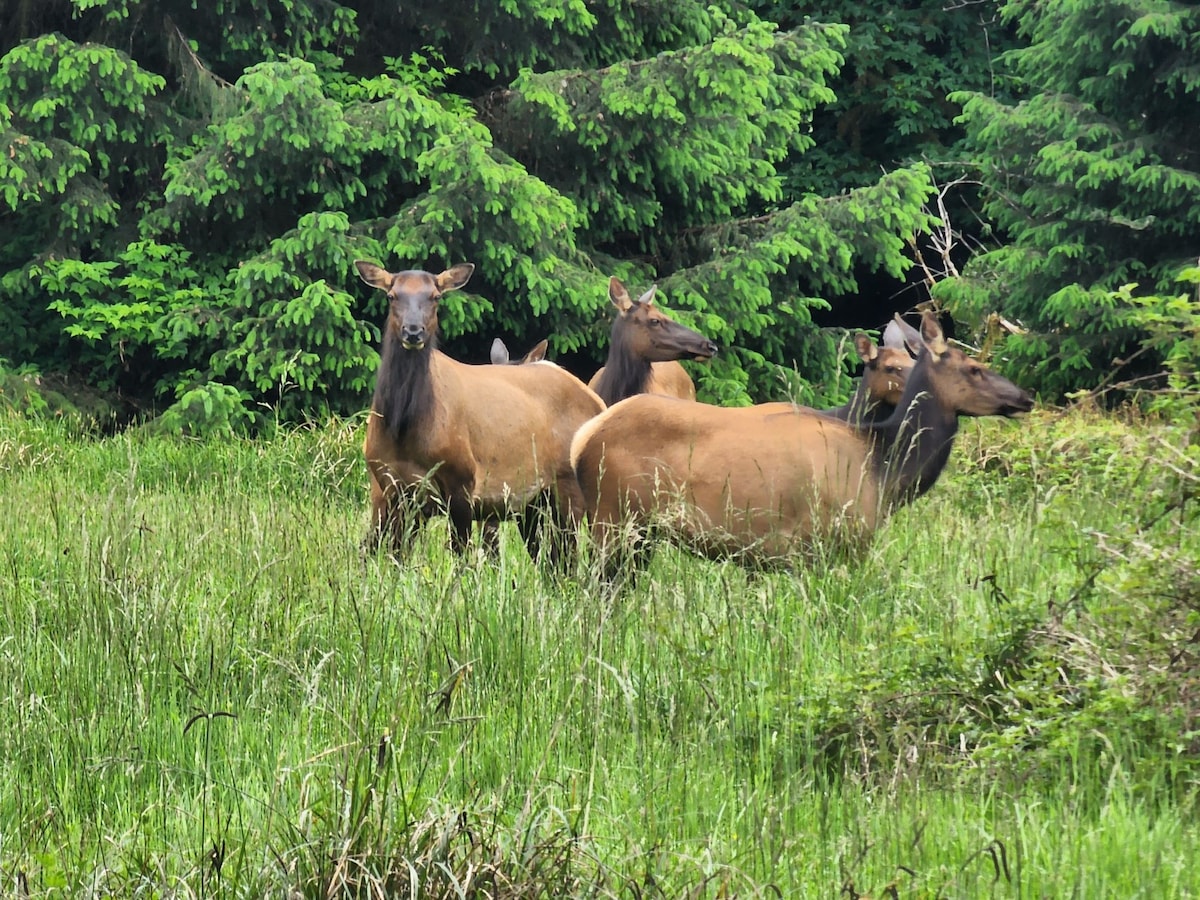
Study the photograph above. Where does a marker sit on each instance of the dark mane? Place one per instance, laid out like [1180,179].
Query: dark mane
[911,447]
[403,387]
[625,374]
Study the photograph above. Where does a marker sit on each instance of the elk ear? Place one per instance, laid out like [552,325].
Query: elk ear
[648,297]
[931,334]
[499,353]
[618,295]
[373,275]
[866,348]
[455,277]
[538,353]
[902,336]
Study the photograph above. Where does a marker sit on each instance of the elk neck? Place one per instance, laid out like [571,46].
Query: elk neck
[404,386]
[625,373]
[910,448]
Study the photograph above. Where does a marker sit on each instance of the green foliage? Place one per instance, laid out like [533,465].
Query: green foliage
[287,150]
[903,58]
[206,46]
[706,126]
[120,310]
[818,243]
[77,120]
[192,203]
[19,392]
[493,42]
[1121,646]
[1090,181]
[292,337]
[481,205]
[1110,639]
[1171,326]
[208,410]
[748,281]
[89,96]
[82,136]
[32,168]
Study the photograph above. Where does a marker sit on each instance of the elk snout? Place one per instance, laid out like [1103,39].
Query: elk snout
[412,337]
[1021,403]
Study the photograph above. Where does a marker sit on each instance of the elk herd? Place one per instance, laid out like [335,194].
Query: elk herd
[632,453]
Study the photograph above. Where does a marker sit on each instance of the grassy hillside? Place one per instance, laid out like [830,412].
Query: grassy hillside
[212,692]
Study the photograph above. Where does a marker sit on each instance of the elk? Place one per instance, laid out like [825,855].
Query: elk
[643,350]
[763,483]
[477,442]
[885,372]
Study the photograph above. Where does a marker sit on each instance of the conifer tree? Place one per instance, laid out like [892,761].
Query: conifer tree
[190,184]
[1092,182]
[903,59]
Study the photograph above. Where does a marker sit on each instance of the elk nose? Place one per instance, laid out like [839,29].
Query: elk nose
[412,336]
[710,348]
[1021,402]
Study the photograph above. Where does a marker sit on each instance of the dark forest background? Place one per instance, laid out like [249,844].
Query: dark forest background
[184,188]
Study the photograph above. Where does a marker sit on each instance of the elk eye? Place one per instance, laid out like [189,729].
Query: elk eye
[976,372]
[654,323]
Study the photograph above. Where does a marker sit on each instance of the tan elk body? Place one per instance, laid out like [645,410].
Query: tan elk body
[478,442]
[765,482]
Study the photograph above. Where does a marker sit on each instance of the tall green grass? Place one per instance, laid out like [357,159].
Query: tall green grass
[212,691]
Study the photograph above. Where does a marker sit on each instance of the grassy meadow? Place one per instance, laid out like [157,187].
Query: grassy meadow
[211,691]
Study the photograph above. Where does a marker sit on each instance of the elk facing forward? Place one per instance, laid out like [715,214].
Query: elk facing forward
[477,442]
[885,373]
[763,483]
[643,348]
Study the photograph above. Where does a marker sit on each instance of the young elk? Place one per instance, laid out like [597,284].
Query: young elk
[762,483]
[643,348]
[478,442]
[885,372]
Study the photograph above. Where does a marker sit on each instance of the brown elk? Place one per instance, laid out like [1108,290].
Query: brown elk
[499,354]
[763,483]
[885,372]
[477,442]
[643,350]
[490,530]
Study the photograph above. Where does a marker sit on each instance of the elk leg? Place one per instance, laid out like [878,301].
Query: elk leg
[396,512]
[565,511]
[621,539]
[461,515]
[546,533]
[622,552]
[399,525]
[383,513]
[489,533]
[529,524]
